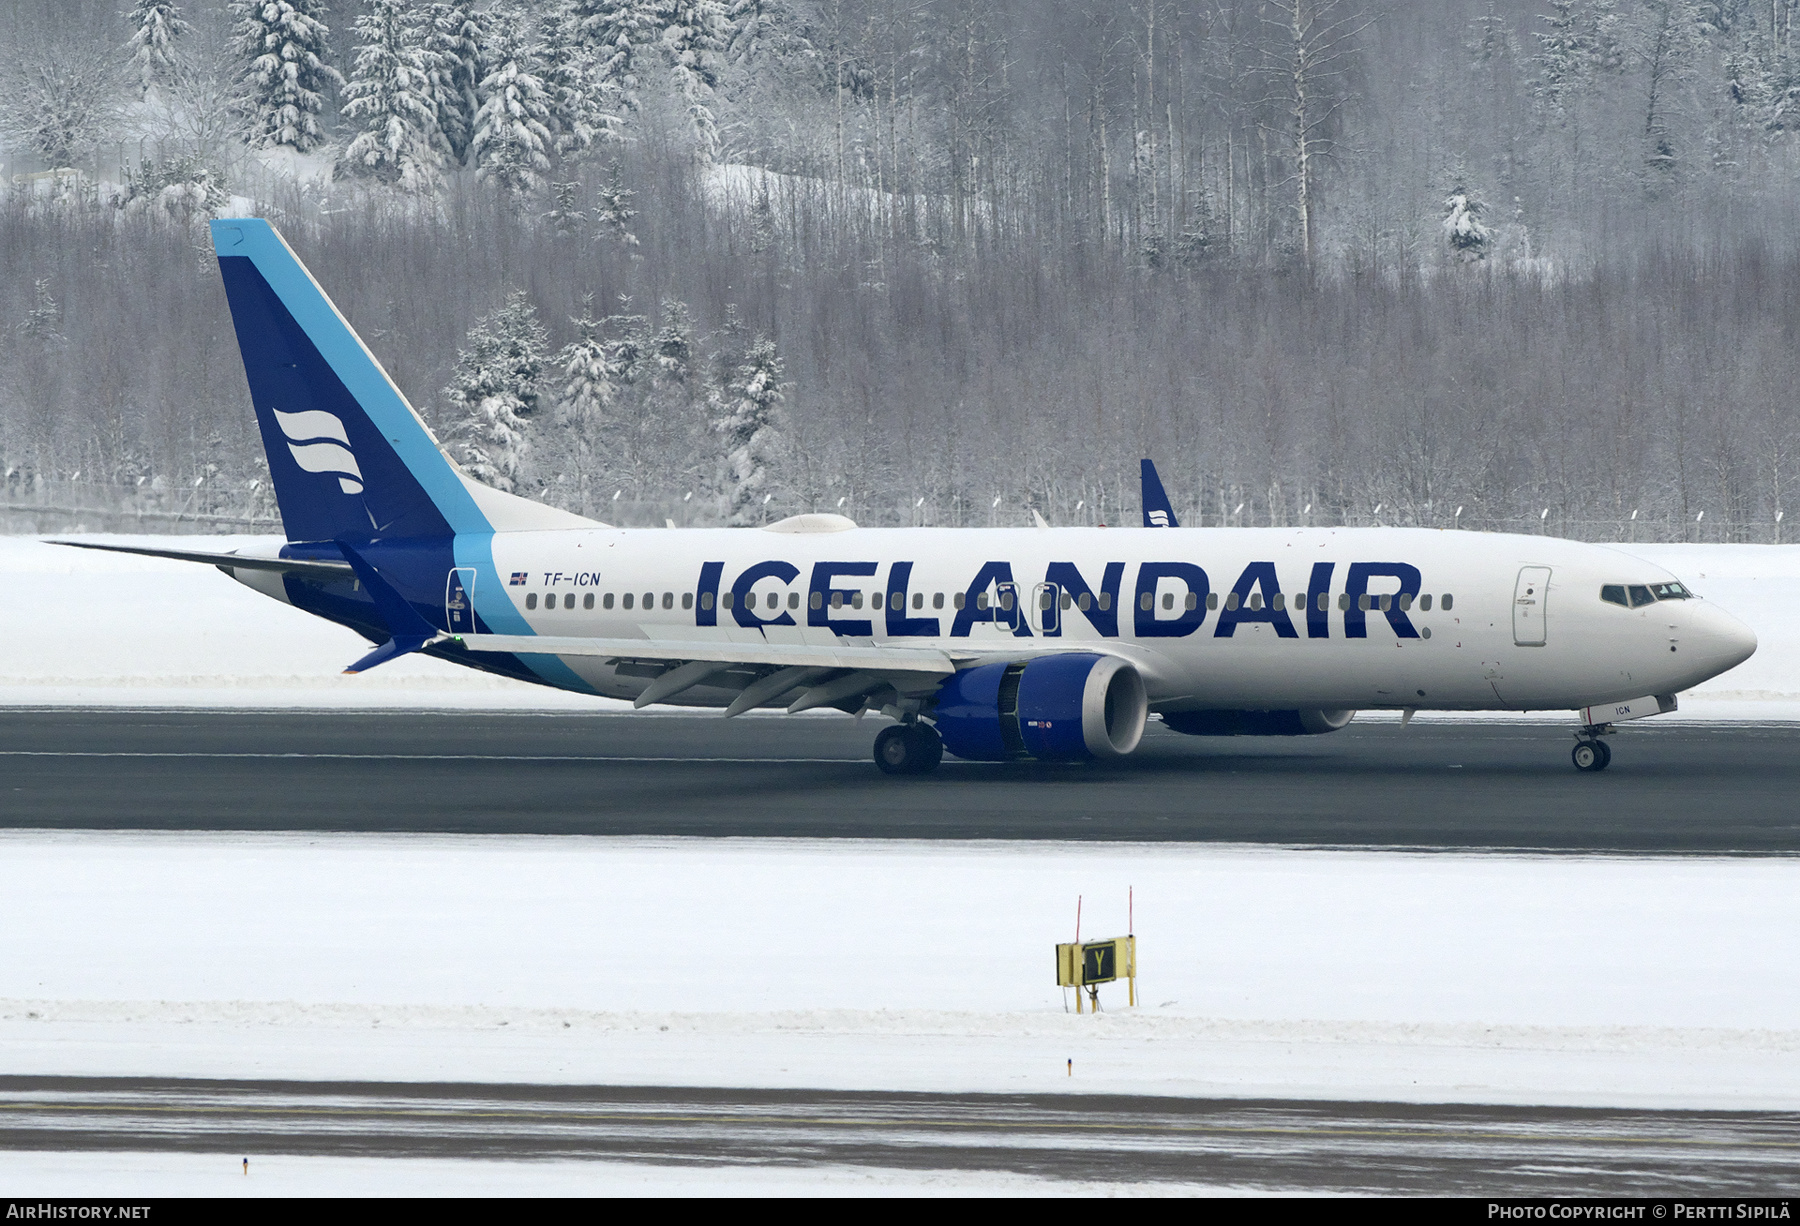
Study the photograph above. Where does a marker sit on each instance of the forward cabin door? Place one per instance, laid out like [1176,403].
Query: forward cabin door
[459,609]
[1529,605]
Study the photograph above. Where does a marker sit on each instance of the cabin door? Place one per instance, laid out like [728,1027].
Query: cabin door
[1529,605]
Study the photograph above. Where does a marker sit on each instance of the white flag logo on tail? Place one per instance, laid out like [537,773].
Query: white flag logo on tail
[318,444]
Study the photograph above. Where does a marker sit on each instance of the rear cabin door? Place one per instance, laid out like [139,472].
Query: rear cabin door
[1529,605]
[1044,610]
[459,608]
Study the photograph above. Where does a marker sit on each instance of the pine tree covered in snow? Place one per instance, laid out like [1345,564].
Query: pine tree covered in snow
[155,27]
[512,130]
[672,350]
[1565,56]
[1469,238]
[694,34]
[612,209]
[620,36]
[747,418]
[61,106]
[455,36]
[576,91]
[283,46]
[494,392]
[390,99]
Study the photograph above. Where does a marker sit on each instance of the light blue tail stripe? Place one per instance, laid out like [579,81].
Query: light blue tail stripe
[256,239]
[476,551]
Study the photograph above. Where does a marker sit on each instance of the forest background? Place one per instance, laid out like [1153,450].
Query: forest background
[1525,264]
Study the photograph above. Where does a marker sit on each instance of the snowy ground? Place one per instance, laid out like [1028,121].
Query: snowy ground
[108,629]
[875,965]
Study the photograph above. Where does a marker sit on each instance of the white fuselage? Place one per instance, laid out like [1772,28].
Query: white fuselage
[1480,652]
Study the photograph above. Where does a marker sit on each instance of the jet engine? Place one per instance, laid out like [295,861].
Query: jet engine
[1256,723]
[1058,708]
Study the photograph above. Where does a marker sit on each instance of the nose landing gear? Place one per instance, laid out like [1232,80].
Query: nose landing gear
[909,749]
[1591,753]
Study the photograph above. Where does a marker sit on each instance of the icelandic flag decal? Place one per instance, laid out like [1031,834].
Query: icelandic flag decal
[518,579]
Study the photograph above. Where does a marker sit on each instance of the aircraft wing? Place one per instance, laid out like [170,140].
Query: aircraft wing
[297,566]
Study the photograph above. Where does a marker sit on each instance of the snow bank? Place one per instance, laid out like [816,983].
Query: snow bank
[877,965]
[115,629]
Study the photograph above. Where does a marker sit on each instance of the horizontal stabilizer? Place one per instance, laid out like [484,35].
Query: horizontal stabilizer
[408,632]
[228,561]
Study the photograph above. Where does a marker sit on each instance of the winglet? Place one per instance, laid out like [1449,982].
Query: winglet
[1158,512]
[407,631]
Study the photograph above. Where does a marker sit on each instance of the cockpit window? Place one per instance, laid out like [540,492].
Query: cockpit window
[1637,595]
[1614,593]
[1671,591]
[1640,596]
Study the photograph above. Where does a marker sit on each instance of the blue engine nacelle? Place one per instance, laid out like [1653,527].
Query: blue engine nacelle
[1058,708]
[1256,723]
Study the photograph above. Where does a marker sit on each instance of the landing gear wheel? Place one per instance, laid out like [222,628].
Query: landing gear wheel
[908,749]
[1591,755]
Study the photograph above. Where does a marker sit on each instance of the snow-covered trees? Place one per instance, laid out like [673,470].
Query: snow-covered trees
[612,209]
[512,130]
[495,391]
[455,34]
[179,189]
[284,50]
[579,115]
[60,105]
[1468,236]
[619,36]
[391,100]
[746,417]
[694,36]
[155,27]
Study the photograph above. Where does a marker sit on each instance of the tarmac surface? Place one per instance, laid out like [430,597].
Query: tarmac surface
[1352,1147]
[1671,788]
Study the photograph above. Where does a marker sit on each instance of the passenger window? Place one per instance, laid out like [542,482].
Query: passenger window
[1231,602]
[1105,601]
[1614,593]
[569,601]
[587,601]
[1344,601]
[531,600]
[875,600]
[1280,602]
[1324,602]
[725,600]
[962,598]
[817,600]
[937,600]
[668,600]
[1363,602]
[1405,601]
[919,600]
[1447,603]
[837,600]
[1084,601]
[1387,602]
[1006,601]
[1168,600]
[706,600]
[1425,602]
[649,600]
[856,600]
[1640,595]
[981,600]
[1146,602]
[1068,602]
[1212,600]
[1256,600]
[749,600]
[630,600]
[1046,601]
[687,600]
[793,600]
[1193,601]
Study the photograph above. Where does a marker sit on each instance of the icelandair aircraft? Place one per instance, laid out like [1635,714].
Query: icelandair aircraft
[1045,643]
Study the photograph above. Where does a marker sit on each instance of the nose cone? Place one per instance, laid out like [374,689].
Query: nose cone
[1723,641]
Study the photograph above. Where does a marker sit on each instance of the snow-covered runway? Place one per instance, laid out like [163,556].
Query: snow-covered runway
[856,964]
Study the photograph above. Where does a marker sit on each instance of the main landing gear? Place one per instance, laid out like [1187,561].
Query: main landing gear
[1591,753]
[909,749]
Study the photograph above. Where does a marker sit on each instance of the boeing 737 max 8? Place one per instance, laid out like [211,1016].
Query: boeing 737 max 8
[1049,643]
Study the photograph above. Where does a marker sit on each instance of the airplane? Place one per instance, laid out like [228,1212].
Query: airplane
[994,644]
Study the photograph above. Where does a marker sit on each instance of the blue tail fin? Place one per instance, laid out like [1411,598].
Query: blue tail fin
[349,458]
[1158,513]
